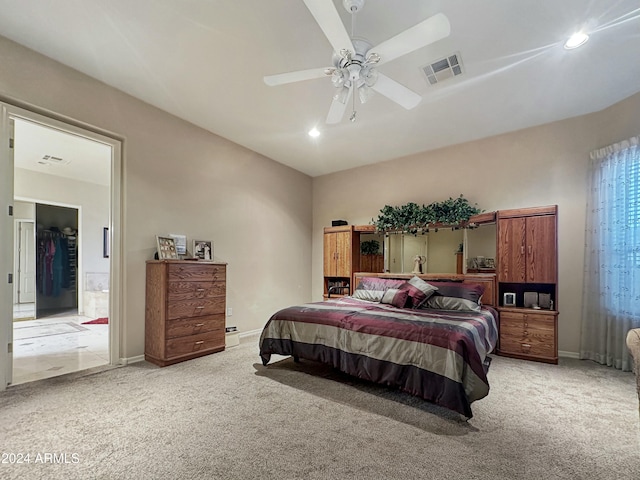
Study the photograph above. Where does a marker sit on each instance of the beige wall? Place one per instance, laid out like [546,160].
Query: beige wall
[178,178]
[545,165]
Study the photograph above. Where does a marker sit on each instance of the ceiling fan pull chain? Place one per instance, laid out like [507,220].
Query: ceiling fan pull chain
[353,94]
[353,24]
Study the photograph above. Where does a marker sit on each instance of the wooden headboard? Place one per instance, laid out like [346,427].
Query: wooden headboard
[487,280]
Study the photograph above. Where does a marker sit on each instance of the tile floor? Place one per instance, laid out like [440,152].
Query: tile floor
[55,345]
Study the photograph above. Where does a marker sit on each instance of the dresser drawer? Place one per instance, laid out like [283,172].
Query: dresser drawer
[196,273]
[193,326]
[177,347]
[195,307]
[529,334]
[527,345]
[182,290]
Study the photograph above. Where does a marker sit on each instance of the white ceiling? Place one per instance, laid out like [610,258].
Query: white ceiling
[80,158]
[203,61]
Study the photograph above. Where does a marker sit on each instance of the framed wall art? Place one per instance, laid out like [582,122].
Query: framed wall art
[203,249]
[166,248]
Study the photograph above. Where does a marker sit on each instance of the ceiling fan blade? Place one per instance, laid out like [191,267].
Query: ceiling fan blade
[337,109]
[326,15]
[429,31]
[290,77]
[396,92]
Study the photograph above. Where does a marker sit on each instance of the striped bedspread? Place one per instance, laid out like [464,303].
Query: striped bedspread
[438,355]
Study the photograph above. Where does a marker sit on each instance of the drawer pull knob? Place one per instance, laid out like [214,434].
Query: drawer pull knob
[199,307]
[200,290]
[200,342]
[199,324]
[526,345]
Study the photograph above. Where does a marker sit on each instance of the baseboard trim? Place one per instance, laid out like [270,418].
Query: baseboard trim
[575,355]
[130,360]
[250,333]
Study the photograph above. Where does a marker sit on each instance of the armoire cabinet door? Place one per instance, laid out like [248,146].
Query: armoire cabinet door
[541,249]
[337,254]
[329,249]
[527,249]
[511,250]
[343,254]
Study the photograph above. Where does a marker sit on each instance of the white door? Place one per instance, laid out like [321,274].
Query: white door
[26,263]
[6,245]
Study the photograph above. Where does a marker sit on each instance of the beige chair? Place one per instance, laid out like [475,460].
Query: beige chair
[633,344]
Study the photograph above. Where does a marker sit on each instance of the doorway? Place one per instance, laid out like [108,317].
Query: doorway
[65,192]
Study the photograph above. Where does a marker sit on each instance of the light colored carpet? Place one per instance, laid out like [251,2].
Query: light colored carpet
[225,416]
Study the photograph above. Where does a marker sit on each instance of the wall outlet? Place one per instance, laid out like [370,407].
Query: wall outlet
[229,311]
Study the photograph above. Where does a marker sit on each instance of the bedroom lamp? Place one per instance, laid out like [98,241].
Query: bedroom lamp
[576,40]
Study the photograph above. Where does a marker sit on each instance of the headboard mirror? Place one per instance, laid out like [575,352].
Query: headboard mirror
[441,249]
[480,248]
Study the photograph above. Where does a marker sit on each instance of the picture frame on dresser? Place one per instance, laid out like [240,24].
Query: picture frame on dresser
[203,249]
[509,299]
[166,247]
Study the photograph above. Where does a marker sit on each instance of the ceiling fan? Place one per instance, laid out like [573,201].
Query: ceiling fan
[355,60]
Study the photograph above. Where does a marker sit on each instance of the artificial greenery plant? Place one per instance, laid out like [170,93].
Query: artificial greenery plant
[413,218]
[370,247]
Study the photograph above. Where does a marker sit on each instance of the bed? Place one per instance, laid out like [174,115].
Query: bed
[428,336]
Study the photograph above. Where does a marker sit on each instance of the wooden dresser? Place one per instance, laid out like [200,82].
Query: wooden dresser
[185,310]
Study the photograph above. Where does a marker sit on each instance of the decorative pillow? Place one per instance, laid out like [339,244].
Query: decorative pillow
[372,289]
[419,291]
[395,297]
[467,291]
[451,303]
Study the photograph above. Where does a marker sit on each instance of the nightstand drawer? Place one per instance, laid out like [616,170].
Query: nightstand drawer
[527,333]
[193,326]
[195,343]
[527,345]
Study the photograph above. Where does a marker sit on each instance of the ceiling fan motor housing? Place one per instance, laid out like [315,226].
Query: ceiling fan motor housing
[353,6]
[351,65]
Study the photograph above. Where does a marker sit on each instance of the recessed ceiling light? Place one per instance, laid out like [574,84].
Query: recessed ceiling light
[576,40]
[314,132]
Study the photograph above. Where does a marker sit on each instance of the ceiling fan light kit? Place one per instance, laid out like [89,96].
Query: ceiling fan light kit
[355,59]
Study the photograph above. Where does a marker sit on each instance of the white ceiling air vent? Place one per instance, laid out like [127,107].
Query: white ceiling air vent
[51,160]
[447,67]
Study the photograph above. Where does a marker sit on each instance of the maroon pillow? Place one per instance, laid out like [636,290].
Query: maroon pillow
[467,291]
[419,291]
[395,297]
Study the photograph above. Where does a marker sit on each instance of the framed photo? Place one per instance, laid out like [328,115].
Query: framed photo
[181,243]
[509,300]
[203,249]
[166,248]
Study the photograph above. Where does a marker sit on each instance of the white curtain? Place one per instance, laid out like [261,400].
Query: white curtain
[611,293]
